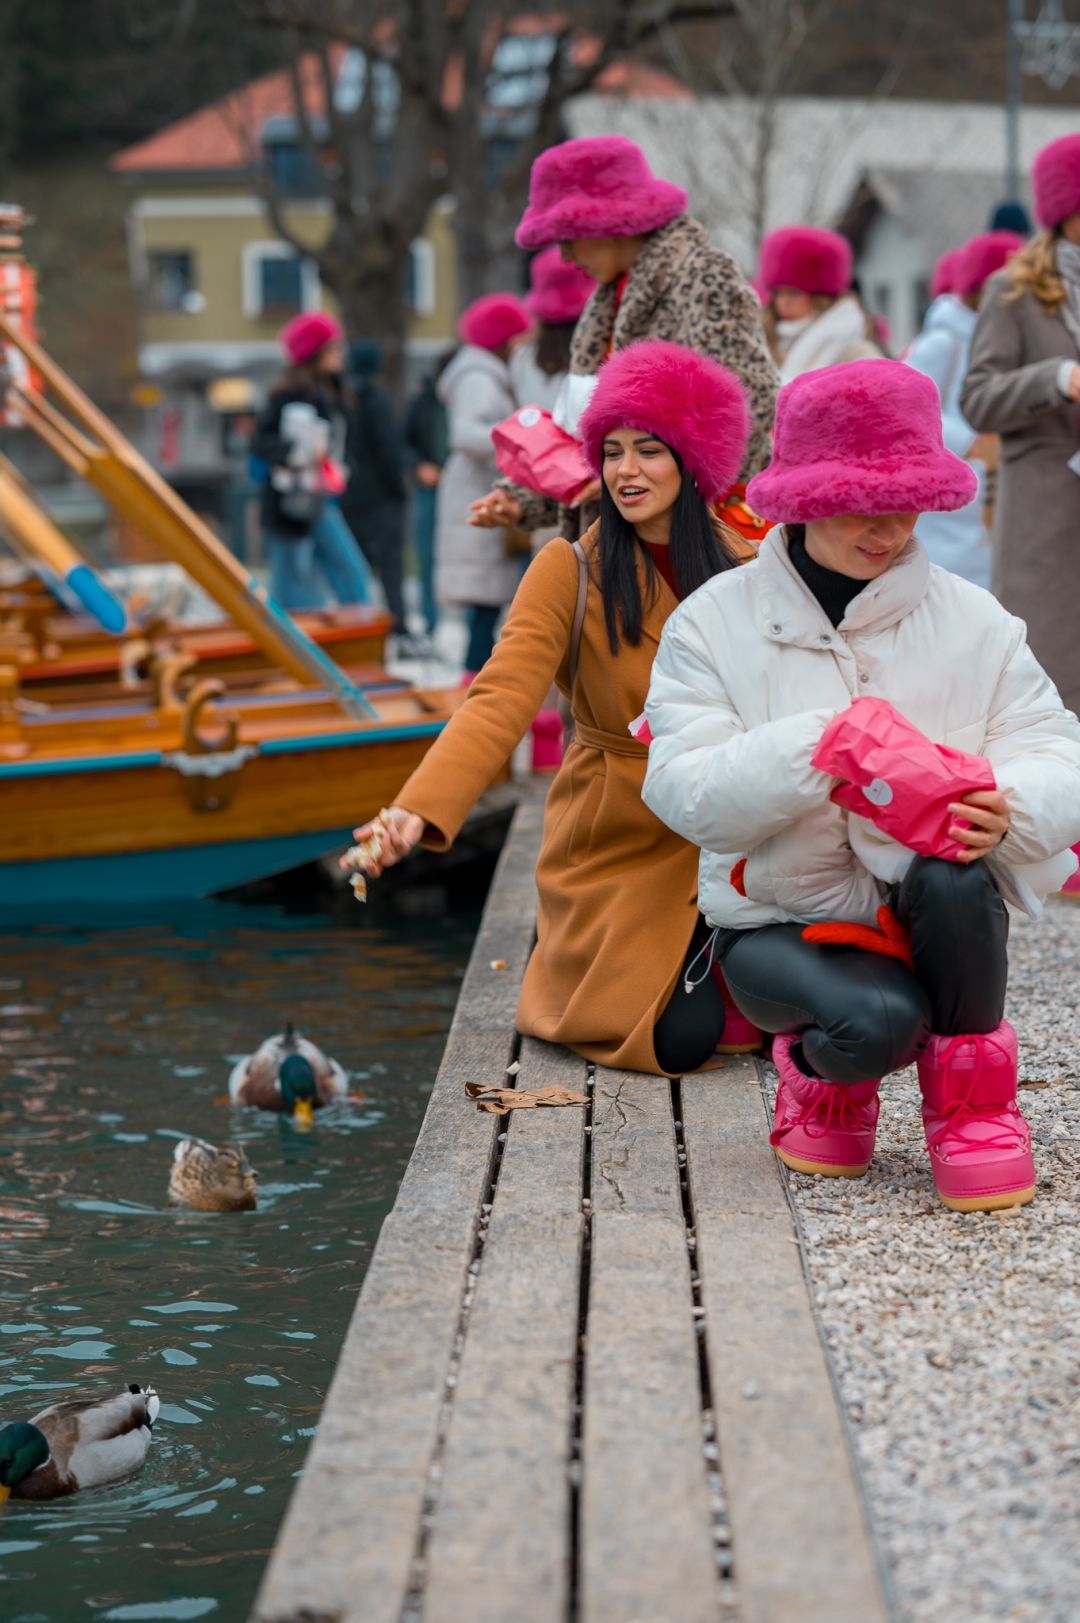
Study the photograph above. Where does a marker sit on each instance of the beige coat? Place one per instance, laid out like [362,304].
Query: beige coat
[1011,390]
[616,887]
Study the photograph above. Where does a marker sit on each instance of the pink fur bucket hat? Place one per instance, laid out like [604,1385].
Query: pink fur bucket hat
[597,186]
[560,291]
[695,406]
[860,437]
[1055,181]
[805,257]
[492,321]
[978,259]
[305,335]
[943,275]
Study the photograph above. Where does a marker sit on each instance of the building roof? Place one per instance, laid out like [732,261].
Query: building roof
[227,134]
[823,148]
[938,208]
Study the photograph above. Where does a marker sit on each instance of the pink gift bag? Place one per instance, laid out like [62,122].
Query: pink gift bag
[897,777]
[532,450]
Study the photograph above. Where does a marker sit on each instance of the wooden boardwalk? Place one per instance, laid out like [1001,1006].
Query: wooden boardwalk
[583,1381]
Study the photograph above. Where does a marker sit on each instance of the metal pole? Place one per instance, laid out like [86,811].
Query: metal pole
[1014,13]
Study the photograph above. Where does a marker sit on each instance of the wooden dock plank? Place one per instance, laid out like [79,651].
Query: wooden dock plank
[802,1549]
[347,1545]
[646,1538]
[499,1548]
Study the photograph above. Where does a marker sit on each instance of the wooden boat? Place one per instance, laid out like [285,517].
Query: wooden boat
[208,784]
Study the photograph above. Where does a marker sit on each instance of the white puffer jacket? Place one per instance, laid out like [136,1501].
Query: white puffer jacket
[750,670]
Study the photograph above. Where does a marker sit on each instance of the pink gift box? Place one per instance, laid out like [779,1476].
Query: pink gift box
[897,777]
[533,451]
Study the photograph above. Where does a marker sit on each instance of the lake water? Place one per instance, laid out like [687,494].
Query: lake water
[114,1043]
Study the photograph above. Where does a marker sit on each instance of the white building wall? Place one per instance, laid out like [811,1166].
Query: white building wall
[893,275]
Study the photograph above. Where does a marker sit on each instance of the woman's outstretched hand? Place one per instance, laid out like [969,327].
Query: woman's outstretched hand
[401,832]
[494,510]
[987,810]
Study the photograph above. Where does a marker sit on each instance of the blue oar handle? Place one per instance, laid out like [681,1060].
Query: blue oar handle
[96,599]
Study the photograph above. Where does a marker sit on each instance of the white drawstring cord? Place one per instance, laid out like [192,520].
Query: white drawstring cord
[709,947]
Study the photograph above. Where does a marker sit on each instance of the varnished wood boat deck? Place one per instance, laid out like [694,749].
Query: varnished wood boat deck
[583,1381]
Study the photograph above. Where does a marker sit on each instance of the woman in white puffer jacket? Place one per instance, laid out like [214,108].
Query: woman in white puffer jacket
[843,602]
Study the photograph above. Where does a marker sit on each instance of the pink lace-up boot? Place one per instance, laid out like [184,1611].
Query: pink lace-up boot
[818,1126]
[979,1142]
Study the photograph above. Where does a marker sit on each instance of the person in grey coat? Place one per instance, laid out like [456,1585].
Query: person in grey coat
[474,568]
[1023,383]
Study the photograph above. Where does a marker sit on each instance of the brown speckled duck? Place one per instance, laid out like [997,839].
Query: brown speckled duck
[212,1179]
[81,1443]
[288,1073]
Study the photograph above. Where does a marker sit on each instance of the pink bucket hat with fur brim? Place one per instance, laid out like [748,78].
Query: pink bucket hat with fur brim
[560,290]
[597,186]
[492,321]
[978,259]
[859,437]
[1055,181]
[305,335]
[808,258]
[685,399]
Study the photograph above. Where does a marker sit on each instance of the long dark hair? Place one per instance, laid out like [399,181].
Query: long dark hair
[697,554]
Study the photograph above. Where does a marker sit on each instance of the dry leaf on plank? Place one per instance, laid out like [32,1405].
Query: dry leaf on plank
[499,1101]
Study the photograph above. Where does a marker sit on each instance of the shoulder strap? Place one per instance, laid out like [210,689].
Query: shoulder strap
[579,611]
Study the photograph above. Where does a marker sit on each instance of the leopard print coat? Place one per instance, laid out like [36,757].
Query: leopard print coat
[682,289]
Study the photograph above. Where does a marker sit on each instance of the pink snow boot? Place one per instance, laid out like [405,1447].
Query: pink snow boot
[979,1142]
[547,741]
[741,1036]
[819,1126]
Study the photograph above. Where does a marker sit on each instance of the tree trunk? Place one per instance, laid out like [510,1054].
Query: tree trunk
[369,279]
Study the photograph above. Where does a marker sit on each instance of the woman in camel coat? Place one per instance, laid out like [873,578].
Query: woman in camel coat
[617,914]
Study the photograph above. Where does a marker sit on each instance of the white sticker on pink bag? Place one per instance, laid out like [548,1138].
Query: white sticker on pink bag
[878,793]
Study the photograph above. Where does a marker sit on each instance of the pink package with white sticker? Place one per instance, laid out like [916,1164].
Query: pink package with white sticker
[533,451]
[897,778]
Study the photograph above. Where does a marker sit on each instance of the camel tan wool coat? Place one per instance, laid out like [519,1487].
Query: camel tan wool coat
[1011,390]
[616,887]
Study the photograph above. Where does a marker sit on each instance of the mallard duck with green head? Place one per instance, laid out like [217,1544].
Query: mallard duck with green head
[80,1443]
[212,1179]
[288,1073]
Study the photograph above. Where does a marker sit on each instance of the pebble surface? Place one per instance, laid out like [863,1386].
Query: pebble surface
[954,1336]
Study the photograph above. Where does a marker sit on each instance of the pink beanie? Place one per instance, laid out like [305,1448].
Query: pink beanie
[978,259]
[943,275]
[598,186]
[560,291]
[696,407]
[492,321]
[305,335]
[859,437]
[1055,180]
[805,257]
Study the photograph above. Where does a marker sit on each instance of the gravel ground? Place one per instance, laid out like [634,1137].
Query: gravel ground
[954,1336]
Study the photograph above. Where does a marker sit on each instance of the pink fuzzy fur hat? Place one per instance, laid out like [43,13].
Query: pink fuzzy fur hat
[305,335]
[1055,181]
[805,257]
[492,321]
[943,275]
[860,437]
[560,291]
[978,259]
[598,186]
[696,407]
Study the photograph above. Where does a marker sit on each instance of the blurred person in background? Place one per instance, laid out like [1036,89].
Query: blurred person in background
[559,292]
[374,498]
[477,570]
[811,315]
[960,540]
[300,440]
[427,448]
[660,277]
[1023,384]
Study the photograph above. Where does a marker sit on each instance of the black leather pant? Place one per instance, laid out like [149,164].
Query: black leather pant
[863,1015]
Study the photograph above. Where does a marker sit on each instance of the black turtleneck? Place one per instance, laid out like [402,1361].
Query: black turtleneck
[833,591]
